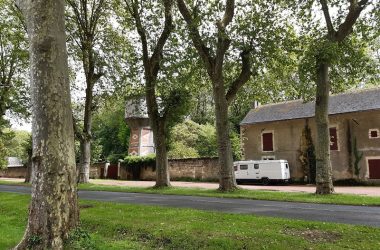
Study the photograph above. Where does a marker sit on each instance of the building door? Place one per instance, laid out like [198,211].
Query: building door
[374,168]
[112,172]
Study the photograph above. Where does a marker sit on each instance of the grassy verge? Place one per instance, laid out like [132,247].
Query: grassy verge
[120,226]
[341,199]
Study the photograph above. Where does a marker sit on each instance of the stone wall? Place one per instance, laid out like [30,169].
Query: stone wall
[13,172]
[205,169]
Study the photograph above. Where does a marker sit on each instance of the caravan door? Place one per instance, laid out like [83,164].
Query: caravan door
[242,172]
[255,171]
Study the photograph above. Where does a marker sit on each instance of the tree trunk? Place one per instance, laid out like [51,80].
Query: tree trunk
[85,142]
[29,171]
[227,180]
[322,149]
[162,168]
[53,210]
[85,160]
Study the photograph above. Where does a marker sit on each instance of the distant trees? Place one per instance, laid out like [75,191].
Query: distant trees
[14,96]
[87,21]
[190,140]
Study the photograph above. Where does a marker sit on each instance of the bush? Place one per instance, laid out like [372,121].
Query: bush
[139,161]
[114,158]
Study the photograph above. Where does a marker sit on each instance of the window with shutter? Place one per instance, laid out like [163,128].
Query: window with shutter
[267,141]
[333,139]
[374,133]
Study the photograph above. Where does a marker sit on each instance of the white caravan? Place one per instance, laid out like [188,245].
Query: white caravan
[263,170]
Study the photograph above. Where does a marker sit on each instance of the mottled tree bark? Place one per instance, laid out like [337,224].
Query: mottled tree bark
[162,168]
[227,181]
[323,164]
[53,210]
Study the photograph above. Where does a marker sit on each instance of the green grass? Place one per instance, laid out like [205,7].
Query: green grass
[342,199]
[120,226]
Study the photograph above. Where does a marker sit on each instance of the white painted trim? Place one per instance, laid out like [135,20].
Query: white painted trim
[262,142]
[373,129]
[267,156]
[367,163]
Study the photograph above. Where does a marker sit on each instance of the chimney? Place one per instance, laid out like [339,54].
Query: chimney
[255,104]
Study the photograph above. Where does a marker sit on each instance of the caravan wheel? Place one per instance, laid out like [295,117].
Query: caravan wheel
[265,181]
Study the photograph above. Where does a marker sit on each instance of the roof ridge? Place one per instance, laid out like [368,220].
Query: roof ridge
[354,91]
[352,101]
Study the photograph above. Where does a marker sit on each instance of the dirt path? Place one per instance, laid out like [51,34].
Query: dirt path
[360,190]
[370,191]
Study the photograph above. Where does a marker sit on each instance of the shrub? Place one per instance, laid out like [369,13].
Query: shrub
[139,161]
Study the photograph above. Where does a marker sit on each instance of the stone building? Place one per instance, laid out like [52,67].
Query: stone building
[141,139]
[287,131]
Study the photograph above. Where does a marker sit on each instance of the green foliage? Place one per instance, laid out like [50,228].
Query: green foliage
[114,158]
[19,144]
[179,151]
[14,93]
[34,241]
[110,131]
[307,154]
[80,239]
[139,161]
[3,154]
[358,157]
[190,140]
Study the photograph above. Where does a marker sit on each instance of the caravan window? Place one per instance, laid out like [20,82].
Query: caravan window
[243,167]
[235,168]
[286,165]
[256,166]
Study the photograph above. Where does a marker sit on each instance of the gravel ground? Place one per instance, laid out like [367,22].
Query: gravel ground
[361,190]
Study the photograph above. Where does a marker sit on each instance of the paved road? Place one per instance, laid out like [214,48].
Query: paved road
[358,215]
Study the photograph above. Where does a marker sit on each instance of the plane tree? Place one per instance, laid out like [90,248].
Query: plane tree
[93,43]
[336,59]
[158,58]
[53,210]
[234,41]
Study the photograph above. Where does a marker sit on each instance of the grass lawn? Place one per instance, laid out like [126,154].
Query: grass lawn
[342,199]
[118,226]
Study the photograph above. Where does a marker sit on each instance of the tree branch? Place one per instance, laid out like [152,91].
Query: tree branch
[326,13]
[195,36]
[353,14]
[133,8]
[244,76]
[228,15]
[168,27]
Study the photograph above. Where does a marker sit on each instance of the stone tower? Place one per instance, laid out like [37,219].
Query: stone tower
[141,139]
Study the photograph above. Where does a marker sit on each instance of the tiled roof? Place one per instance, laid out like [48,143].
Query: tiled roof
[362,100]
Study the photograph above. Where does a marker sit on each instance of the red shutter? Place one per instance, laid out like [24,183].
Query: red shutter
[267,141]
[374,168]
[374,134]
[333,139]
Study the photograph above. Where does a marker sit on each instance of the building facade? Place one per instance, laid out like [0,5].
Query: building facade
[287,131]
[141,141]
